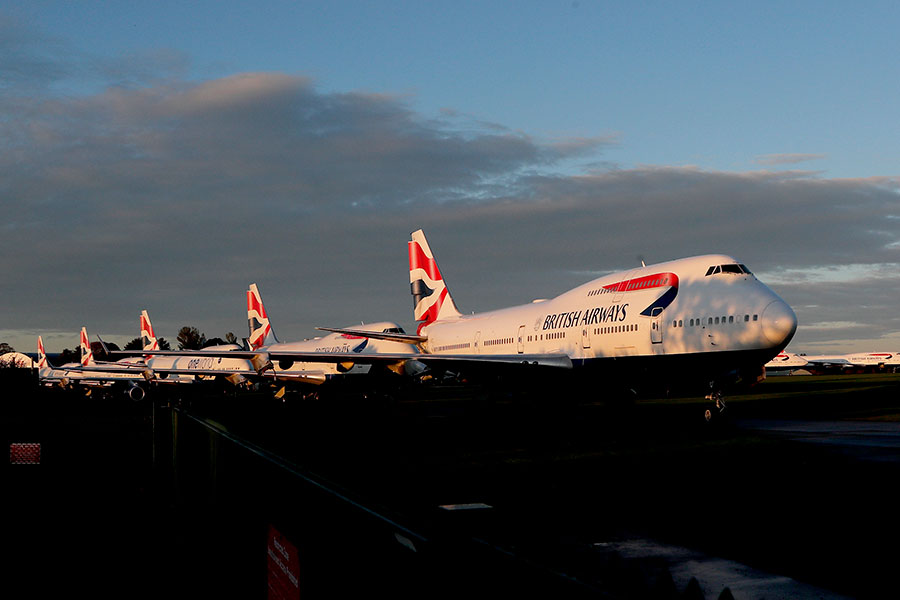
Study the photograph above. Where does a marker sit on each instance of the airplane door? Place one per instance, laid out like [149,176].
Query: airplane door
[477,347]
[521,340]
[585,337]
[656,325]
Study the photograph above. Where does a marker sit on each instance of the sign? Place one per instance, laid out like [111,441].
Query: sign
[283,565]
[24,454]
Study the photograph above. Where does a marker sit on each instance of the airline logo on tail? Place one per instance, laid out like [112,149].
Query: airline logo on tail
[431,298]
[42,356]
[261,333]
[87,355]
[148,340]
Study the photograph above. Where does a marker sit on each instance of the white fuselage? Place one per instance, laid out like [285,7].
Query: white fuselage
[858,359]
[672,309]
[338,343]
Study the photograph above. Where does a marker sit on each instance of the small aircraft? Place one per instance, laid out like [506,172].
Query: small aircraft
[705,320]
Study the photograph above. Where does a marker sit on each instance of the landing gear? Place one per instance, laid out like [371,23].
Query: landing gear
[715,411]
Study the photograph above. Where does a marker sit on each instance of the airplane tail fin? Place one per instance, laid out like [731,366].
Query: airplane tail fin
[431,298]
[148,340]
[261,332]
[87,355]
[43,363]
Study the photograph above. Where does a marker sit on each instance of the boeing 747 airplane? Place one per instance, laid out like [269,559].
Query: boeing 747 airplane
[701,320]
[269,359]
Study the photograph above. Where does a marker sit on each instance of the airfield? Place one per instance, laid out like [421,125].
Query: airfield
[450,490]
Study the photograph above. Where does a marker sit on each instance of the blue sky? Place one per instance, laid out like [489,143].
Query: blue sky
[722,85]
[767,131]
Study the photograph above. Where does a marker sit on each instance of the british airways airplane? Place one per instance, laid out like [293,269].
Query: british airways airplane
[879,360]
[705,319]
[268,359]
[90,373]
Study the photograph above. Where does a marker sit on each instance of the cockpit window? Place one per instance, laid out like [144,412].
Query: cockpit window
[734,269]
[393,330]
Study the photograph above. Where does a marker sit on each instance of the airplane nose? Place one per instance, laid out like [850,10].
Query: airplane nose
[778,323]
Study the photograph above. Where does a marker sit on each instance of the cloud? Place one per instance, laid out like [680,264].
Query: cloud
[774,160]
[173,195]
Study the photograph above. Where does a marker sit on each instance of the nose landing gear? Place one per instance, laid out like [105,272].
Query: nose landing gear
[715,411]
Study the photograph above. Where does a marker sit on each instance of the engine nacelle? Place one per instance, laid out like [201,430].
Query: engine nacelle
[136,393]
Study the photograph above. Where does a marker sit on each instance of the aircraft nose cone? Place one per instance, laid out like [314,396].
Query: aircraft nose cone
[778,323]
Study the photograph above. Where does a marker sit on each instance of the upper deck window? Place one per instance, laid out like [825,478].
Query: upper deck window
[734,269]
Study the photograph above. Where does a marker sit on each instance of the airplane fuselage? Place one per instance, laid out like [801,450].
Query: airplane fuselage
[703,313]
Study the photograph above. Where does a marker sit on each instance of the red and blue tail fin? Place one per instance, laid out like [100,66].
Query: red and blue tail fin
[87,355]
[148,339]
[43,363]
[261,333]
[431,298]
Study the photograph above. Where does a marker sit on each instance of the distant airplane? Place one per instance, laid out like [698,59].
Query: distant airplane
[161,366]
[49,375]
[705,319]
[130,373]
[856,359]
[287,354]
[16,360]
[786,361]
[256,362]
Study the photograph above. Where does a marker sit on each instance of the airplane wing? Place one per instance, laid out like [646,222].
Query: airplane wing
[111,368]
[314,377]
[545,360]
[406,338]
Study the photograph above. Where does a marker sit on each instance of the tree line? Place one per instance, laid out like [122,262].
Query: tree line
[188,338]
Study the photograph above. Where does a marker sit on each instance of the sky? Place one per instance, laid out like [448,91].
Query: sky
[165,155]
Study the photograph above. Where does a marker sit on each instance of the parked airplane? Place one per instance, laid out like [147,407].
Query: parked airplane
[160,366]
[48,375]
[257,362]
[127,372]
[786,361]
[262,338]
[705,319]
[878,360]
[88,372]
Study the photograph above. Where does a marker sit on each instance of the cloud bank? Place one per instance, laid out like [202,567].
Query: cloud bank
[154,191]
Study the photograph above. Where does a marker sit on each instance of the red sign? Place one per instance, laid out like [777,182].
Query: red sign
[283,567]
[24,454]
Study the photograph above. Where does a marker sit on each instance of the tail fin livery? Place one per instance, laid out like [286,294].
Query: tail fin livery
[148,340]
[261,333]
[87,355]
[431,298]
[43,363]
